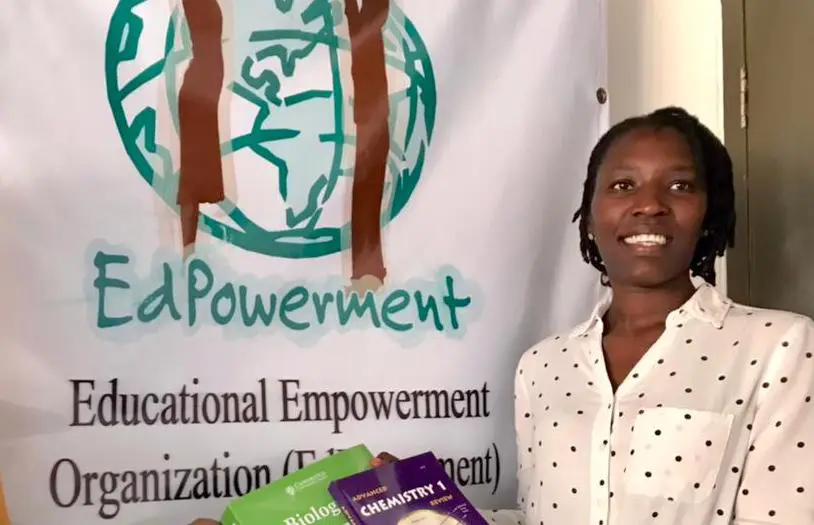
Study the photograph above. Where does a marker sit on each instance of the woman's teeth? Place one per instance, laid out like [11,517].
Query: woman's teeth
[649,239]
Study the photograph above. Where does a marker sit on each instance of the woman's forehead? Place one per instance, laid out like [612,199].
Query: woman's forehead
[666,145]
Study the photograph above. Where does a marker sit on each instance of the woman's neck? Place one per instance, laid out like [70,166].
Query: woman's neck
[634,309]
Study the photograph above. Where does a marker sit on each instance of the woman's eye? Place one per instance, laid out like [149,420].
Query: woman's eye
[621,185]
[681,186]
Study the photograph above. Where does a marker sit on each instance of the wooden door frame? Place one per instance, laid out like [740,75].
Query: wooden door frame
[735,99]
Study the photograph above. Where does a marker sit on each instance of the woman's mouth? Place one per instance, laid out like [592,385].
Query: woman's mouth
[645,240]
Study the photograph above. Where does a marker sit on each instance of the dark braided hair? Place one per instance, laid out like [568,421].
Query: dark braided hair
[712,164]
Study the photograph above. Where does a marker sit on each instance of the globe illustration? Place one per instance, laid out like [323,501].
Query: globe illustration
[287,129]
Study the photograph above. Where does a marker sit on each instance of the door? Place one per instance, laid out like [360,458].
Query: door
[769,128]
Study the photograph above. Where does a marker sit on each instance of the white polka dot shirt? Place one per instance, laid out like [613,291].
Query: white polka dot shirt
[714,426]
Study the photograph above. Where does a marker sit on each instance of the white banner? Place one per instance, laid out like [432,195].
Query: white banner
[198,292]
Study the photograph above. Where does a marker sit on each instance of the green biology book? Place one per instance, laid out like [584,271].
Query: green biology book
[302,497]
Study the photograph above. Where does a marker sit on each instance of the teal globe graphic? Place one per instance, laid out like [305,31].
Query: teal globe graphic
[286,116]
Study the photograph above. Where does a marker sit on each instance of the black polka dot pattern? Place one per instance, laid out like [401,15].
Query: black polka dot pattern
[720,409]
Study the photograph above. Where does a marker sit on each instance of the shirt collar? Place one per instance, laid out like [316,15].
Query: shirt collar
[707,304]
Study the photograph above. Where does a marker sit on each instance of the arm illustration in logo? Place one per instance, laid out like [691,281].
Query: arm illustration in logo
[201,171]
[4,519]
[370,113]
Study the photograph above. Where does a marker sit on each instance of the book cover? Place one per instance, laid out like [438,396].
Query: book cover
[411,491]
[302,497]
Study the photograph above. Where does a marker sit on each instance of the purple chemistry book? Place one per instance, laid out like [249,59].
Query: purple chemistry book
[412,491]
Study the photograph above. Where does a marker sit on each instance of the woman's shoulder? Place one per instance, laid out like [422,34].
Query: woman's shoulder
[755,317]
[546,345]
[781,334]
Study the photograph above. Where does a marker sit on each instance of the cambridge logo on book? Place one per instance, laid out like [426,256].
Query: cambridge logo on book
[278,128]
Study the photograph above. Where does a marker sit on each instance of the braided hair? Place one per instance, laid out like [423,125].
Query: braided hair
[712,163]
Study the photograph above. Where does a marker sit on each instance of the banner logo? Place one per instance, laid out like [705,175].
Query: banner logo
[267,124]
[292,127]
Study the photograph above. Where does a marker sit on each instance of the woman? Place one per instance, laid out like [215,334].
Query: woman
[671,404]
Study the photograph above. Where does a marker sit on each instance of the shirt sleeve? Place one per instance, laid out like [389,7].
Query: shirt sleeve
[777,486]
[524,430]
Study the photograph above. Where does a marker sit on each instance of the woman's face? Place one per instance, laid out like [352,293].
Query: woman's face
[648,208]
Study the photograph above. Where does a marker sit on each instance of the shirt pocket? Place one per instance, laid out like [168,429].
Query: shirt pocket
[676,453]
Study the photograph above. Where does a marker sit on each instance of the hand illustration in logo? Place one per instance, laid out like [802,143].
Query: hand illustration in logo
[201,171]
[371,112]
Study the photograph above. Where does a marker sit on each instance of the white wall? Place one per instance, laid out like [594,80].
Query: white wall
[667,52]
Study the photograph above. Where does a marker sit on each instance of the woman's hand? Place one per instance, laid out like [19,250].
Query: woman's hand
[383,458]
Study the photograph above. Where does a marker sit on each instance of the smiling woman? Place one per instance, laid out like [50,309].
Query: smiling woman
[714,398]
[670,404]
[647,175]
[657,208]
[664,175]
